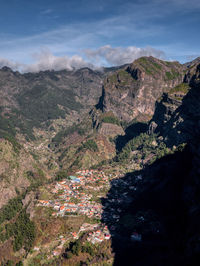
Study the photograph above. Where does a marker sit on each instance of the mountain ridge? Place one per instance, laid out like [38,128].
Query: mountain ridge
[131,121]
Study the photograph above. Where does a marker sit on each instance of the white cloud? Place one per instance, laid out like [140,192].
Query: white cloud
[136,23]
[72,38]
[45,60]
[103,56]
[120,55]
[11,64]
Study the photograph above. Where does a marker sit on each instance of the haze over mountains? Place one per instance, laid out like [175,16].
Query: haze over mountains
[138,119]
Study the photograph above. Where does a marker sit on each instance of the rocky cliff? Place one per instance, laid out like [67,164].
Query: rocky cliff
[130,93]
[177,112]
[49,123]
[165,204]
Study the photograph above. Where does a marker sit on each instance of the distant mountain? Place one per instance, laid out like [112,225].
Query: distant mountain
[193,62]
[58,110]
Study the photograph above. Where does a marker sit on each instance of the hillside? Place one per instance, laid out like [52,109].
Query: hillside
[136,126]
[165,204]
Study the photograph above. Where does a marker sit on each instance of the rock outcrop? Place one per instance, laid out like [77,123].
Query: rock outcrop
[177,113]
[131,92]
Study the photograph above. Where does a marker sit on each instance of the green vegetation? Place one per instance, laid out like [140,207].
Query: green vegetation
[183,87]
[149,66]
[16,224]
[13,141]
[41,103]
[23,231]
[121,77]
[171,75]
[37,105]
[90,145]
[9,263]
[181,147]
[68,131]
[61,175]
[143,147]
[6,126]
[11,209]
[157,65]
[111,120]
[36,178]
[88,252]
[109,117]
[8,132]
[75,248]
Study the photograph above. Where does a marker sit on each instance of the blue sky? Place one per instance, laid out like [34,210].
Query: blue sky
[46,34]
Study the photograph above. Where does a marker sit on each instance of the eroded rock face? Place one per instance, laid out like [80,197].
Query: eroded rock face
[177,114]
[179,122]
[131,92]
[170,186]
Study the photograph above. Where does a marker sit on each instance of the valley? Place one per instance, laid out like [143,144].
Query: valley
[102,165]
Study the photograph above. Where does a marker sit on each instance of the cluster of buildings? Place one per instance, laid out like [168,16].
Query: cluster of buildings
[99,235]
[71,196]
[84,227]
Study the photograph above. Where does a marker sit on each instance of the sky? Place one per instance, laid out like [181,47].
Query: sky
[45,34]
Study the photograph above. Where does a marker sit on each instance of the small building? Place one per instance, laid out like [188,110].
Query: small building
[62,208]
[107,236]
[72,177]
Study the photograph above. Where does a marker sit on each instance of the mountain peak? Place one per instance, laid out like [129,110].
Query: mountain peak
[193,62]
[6,69]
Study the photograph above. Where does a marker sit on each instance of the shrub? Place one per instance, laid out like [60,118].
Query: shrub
[90,145]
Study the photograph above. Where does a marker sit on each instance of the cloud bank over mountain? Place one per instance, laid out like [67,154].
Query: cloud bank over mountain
[92,58]
[119,55]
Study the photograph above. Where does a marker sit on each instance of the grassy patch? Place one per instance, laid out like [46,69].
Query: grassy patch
[111,120]
[171,75]
[183,87]
[90,145]
[150,67]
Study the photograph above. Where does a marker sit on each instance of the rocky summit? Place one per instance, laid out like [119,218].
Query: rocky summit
[101,167]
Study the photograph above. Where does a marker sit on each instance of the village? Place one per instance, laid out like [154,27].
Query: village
[80,194]
[83,194]
[73,197]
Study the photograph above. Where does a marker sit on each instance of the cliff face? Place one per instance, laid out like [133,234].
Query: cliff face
[181,124]
[177,113]
[131,92]
[165,205]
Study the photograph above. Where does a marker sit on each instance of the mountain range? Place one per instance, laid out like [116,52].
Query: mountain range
[138,119]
